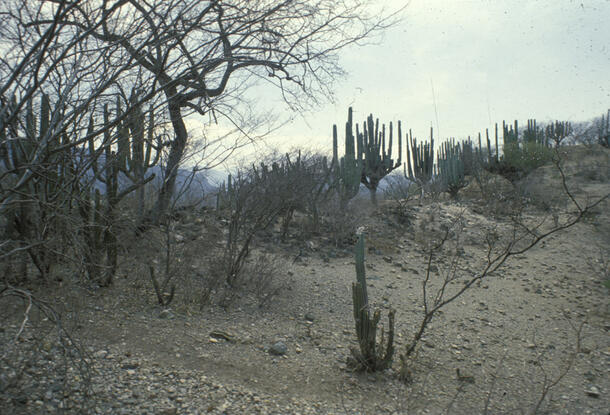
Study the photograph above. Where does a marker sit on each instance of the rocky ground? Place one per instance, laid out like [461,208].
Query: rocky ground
[540,323]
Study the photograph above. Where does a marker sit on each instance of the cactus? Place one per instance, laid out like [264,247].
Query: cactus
[533,134]
[371,356]
[520,157]
[93,225]
[36,151]
[134,148]
[367,159]
[420,161]
[377,159]
[557,132]
[136,145]
[347,171]
[451,167]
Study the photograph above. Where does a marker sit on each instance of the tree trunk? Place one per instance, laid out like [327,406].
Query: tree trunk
[176,152]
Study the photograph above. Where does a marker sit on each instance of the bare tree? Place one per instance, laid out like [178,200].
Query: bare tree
[521,236]
[202,55]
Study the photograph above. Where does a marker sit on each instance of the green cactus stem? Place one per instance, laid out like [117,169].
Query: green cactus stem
[376,156]
[371,355]
[347,171]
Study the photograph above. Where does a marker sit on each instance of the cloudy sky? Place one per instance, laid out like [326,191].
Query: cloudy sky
[461,65]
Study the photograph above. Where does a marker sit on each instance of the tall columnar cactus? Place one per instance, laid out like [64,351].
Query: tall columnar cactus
[522,154]
[556,132]
[533,134]
[135,144]
[371,355]
[451,168]
[510,137]
[468,156]
[420,161]
[347,171]
[32,146]
[377,157]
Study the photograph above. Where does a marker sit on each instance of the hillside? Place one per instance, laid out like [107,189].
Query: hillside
[533,332]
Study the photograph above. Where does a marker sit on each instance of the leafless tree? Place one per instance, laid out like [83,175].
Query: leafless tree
[174,59]
[202,55]
[521,237]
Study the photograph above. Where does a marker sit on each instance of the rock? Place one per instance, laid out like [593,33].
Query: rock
[387,259]
[309,317]
[311,245]
[166,314]
[593,392]
[221,335]
[100,354]
[278,348]
[168,411]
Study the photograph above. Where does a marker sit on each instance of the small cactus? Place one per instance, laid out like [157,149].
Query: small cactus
[371,355]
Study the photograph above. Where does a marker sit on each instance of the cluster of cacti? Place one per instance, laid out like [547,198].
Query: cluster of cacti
[491,157]
[556,132]
[135,144]
[534,134]
[371,355]
[420,159]
[31,148]
[451,166]
[367,159]
[375,155]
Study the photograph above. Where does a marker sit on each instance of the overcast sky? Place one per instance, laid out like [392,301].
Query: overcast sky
[462,65]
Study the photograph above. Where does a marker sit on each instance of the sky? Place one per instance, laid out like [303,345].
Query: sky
[462,65]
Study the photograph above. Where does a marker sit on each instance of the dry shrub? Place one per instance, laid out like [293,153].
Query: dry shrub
[401,191]
[39,360]
[261,278]
[340,224]
[258,277]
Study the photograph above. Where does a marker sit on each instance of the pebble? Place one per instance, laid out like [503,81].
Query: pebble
[278,348]
[166,314]
[593,392]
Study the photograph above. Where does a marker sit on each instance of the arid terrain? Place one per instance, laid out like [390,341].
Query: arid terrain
[530,337]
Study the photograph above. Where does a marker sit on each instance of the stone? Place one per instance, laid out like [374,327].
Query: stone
[166,314]
[310,317]
[278,348]
[593,392]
